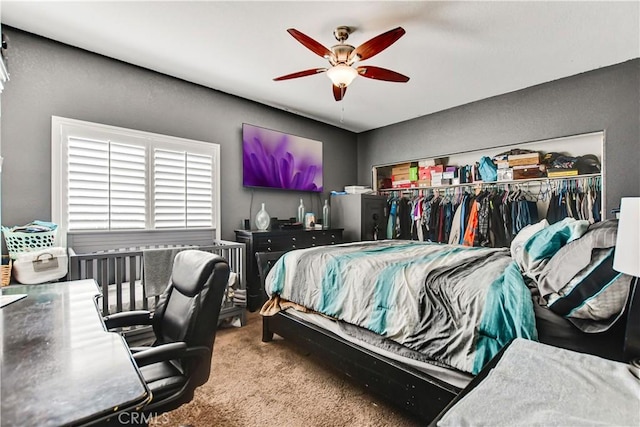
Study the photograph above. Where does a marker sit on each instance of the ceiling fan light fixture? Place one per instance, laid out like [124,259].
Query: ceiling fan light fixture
[341,75]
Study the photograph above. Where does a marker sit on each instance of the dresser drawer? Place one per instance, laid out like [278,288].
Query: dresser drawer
[326,237]
[279,243]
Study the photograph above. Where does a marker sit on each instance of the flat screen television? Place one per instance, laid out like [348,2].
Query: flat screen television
[272,159]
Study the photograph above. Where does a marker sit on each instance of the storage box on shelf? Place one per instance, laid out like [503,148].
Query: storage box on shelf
[461,168]
[523,159]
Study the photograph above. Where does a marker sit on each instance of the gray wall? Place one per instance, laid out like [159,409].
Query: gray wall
[49,78]
[604,99]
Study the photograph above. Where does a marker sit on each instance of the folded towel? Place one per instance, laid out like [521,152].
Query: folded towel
[157,266]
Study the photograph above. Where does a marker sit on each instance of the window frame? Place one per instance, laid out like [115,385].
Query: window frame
[62,128]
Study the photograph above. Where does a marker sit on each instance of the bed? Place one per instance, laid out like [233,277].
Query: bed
[414,322]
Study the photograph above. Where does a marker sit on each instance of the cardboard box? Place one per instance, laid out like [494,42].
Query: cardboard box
[426,163]
[448,175]
[424,173]
[558,172]
[356,189]
[436,178]
[403,184]
[413,173]
[424,183]
[524,159]
[400,176]
[502,164]
[400,169]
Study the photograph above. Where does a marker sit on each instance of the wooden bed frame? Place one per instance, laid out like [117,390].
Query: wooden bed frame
[419,394]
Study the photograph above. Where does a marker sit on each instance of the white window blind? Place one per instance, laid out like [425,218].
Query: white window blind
[182,189]
[106,178]
[127,171]
[106,185]
[88,184]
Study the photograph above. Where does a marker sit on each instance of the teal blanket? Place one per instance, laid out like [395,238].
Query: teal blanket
[456,305]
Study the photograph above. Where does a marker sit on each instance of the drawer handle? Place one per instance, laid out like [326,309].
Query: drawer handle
[313,237]
[293,246]
[333,236]
[269,249]
[293,238]
[268,240]
[313,245]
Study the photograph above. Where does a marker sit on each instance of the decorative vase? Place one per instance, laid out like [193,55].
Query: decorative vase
[262,219]
[326,215]
[301,212]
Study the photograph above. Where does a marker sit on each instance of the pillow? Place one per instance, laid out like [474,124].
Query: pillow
[524,235]
[595,298]
[579,282]
[539,247]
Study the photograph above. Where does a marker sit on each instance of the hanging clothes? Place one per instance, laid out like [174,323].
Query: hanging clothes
[492,217]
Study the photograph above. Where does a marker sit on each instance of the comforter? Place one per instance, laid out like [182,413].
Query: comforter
[457,305]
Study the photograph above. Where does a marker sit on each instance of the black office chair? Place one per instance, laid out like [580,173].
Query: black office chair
[184,324]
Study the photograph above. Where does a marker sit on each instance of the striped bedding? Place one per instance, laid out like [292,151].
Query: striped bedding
[457,305]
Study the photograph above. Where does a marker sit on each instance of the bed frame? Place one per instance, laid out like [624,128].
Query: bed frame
[419,394]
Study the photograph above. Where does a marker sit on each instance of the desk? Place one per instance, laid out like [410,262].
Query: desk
[59,364]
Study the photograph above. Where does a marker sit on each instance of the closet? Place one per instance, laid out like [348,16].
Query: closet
[491,213]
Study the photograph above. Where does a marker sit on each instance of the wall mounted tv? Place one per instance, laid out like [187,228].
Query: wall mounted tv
[272,159]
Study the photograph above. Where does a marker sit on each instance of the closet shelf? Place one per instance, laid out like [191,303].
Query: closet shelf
[492,183]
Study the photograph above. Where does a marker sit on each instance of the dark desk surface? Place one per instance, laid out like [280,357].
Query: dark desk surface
[59,364]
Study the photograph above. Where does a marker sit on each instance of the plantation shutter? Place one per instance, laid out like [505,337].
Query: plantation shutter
[127,186]
[182,189]
[199,194]
[106,185]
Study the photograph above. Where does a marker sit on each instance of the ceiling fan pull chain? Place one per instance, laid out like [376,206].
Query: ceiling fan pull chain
[342,106]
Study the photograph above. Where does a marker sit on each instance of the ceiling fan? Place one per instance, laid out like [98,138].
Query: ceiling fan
[342,57]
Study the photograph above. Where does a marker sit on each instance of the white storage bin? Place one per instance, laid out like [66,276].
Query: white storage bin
[41,266]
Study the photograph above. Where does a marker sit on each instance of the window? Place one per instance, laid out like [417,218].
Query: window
[114,179]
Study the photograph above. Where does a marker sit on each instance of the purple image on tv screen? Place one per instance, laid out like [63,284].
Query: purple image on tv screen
[277,160]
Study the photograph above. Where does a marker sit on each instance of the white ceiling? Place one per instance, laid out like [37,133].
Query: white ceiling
[454,52]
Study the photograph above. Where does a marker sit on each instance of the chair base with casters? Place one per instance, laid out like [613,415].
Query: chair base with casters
[184,324]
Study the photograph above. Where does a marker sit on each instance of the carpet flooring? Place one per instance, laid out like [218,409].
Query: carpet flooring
[276,384]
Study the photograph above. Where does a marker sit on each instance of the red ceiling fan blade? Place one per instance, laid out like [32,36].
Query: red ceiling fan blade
[378,73]
[304,73]
[310,43]
[377,44]
[338,92]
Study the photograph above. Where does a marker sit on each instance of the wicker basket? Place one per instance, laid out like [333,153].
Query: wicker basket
[18,242]
[5,270]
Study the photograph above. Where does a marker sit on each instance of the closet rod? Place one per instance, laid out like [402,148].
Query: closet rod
[494,184]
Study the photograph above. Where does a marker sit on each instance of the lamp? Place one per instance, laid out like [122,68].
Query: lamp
[342,75]
[627,260]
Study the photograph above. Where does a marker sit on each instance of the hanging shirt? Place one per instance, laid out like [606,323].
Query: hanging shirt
[455,234]
[472,225]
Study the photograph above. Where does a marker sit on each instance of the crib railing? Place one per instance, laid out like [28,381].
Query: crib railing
[118,273]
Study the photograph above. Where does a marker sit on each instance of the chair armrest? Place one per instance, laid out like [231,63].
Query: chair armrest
[138,349]
[170,351]
[128,318]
